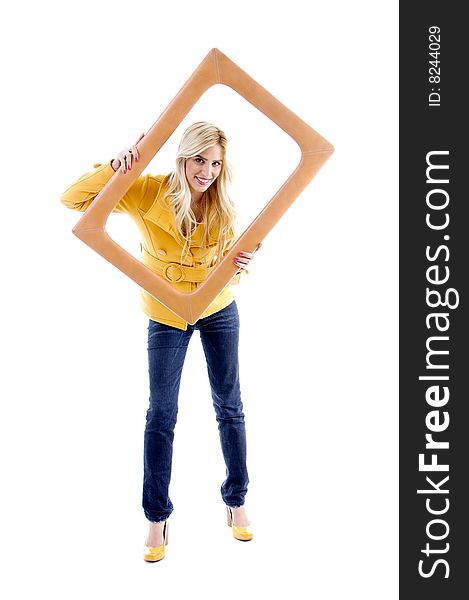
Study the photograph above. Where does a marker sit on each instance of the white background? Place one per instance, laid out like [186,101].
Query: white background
[318,310]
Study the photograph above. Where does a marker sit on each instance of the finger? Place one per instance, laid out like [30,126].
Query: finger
[126,160]
[241,261]
[129,159]
[121,157]
[134,151]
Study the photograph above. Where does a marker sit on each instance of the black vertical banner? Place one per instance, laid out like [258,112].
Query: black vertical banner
[434,355]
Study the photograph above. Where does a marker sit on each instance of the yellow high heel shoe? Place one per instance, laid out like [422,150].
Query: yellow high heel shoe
[240,533]
[156,553]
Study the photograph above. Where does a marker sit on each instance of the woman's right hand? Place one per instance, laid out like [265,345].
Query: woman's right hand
[125,158]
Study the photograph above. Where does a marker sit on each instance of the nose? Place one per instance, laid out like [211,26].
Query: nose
[207,171]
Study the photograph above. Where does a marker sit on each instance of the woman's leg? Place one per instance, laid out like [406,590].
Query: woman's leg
[167,348]
[219,334]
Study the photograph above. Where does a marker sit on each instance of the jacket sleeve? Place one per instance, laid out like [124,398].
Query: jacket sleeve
[85,189]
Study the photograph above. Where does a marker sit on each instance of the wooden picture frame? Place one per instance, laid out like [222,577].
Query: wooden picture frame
[215,69]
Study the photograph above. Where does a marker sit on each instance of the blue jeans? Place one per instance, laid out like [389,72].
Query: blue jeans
[167,348]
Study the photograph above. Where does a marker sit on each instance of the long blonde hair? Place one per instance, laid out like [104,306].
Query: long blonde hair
[218,210]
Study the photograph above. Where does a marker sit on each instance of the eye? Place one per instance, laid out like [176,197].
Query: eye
[198,159]
[216,163]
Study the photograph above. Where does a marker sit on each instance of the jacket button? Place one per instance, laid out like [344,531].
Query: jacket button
[161,252]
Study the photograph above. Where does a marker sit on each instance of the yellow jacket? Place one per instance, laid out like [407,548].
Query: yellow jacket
[147,203]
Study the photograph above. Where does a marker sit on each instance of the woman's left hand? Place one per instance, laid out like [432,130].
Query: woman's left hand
[243,259]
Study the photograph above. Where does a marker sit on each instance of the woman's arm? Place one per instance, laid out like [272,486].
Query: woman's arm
[85,189]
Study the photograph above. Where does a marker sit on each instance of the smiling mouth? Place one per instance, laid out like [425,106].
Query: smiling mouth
[202,181]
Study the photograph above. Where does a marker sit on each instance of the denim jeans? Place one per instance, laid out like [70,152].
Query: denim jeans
[167,348]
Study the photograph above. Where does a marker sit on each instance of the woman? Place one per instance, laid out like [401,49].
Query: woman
[187,219]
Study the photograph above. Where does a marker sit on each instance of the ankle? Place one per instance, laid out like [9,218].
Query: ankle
[239,516]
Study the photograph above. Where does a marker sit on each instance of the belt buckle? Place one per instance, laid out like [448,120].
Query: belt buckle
[171,278]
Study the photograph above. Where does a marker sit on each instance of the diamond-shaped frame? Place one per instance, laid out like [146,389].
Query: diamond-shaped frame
[216,68]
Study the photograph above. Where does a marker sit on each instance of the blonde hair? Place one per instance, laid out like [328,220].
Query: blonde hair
[218,210]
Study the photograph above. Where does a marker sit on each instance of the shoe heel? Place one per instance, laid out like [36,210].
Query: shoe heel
[229,516]
[165,533]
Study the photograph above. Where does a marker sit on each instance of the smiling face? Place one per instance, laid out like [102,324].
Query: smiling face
[203,169]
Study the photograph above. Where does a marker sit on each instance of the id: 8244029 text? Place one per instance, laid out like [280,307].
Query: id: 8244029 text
[434,75]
